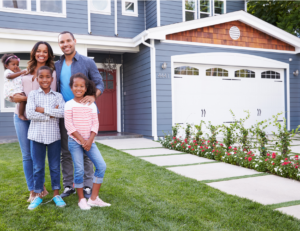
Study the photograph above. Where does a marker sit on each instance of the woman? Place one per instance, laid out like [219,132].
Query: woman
[41,55]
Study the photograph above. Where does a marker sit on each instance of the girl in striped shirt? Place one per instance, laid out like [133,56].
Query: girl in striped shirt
[81,121]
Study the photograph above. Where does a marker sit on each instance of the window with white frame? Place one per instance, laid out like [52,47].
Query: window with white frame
[204,8]
[190,10]
[219,7]
[55,8]
[130,7]
[101,6]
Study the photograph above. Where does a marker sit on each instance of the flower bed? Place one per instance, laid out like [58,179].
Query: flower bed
[273,163]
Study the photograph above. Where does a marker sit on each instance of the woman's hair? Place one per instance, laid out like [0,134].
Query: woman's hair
[33,63]
[7,58]
[89,84]
[44,68]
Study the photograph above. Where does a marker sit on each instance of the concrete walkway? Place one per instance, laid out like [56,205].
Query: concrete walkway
[263,188]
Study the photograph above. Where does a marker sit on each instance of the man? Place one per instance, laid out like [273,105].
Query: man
[69,64]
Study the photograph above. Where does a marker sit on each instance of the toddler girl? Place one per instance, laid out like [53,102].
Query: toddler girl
[82,124]
[13,81]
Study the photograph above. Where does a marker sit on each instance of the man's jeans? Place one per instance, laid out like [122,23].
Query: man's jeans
[67,162]
[38,152]
[94,154]
[22,127]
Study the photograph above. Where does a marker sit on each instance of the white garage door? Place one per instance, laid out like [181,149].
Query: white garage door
[207,92]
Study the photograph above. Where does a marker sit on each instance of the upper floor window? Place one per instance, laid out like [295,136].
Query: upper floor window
[217,72]
[204,8]
[244,73]
[270,75]
[130,7]
[186,70]
[55,8]
[219,7]
[101,6]
[190,10]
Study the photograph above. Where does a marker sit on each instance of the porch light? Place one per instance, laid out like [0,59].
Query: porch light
[109,64]
[296,73]
[164,66]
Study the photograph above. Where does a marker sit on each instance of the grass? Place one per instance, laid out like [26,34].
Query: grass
[143,197]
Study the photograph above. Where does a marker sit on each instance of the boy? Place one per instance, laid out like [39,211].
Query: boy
[44,108]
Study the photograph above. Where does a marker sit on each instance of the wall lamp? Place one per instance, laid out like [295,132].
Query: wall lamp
[296,73]
[164,66]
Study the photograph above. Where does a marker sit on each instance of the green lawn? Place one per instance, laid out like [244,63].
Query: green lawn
[143,197]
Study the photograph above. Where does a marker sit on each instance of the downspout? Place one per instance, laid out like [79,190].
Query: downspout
[158,12]
[246,5]
[153,85]
[89,17]
[116,18]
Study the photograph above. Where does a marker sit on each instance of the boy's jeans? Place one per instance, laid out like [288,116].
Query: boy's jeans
[95,156]
[38,152]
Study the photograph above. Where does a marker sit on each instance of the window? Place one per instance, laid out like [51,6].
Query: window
[190,10]
[101,6]
[219,7]
[270,75]
[217,72]
[130,7]
[204,8]
[244,73]
[186,70]
[55,8]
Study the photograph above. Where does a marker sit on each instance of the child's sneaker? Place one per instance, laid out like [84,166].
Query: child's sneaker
[98,202]
[35,203]
[59,201]
[83,205]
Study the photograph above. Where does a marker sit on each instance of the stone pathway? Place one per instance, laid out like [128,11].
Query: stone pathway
[280,193]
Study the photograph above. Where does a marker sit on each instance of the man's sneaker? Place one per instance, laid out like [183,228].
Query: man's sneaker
[59,201]
[83,205]
[98,203]
[87,192]
[35,203]
[67,192]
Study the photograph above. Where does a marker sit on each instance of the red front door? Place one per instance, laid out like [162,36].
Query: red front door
[107,103]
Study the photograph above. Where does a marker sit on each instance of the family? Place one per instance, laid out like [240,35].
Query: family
[55,111]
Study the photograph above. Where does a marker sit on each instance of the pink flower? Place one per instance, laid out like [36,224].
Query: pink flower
[213,145]
[228,154]
[245,158]
[273,163]
[249,153]
[266,159]
[221,145]
[235,149]
[249,159]
[208,141]
[194,141]
[189,146]
[286,159]
[273,155]
[216,142]
[234,152]
[268,154]
[192,149]
[229,147]
[174,138]
[213,150]
[202,150]
[296,156]
[296,166]
[206,147]
[174,142]
[201,147]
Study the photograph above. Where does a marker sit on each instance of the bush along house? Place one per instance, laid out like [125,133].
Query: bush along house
[175,61]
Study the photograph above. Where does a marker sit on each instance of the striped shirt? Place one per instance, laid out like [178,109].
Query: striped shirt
[44,129]
[82,118]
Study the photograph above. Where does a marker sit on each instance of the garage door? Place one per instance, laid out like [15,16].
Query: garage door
[206,92]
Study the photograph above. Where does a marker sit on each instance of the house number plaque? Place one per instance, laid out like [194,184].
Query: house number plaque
[163,76]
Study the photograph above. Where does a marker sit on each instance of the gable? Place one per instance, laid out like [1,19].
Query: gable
[219,34]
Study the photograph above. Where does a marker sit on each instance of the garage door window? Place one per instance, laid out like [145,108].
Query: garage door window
[186,70]
[270,75]
[244,73]
[217,72]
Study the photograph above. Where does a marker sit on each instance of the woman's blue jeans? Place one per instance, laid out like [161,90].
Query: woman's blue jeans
[22,127]
[95,156]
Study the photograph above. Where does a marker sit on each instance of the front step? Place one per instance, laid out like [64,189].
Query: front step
[116,135]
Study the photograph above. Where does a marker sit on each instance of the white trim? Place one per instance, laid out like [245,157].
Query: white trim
[158,12]
[118,93]
[106,12]
[232,59]
[38,10]
[246,5]
[89,16]
[225,46]
[116,17]
[135,13]
[153,89]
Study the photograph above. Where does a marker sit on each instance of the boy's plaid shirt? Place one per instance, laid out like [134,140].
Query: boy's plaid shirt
[44,129]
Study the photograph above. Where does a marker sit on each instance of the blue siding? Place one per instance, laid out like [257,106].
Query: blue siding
[137,85]
[7,127]
[104,24]
[170,12]
[164,100]
[33,5]
[151,14]
[130,26]
[234,5]
[76,20]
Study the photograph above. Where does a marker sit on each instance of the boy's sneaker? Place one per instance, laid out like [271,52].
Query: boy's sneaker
[59,201]
[98,203]
[83,205]
[35,203]
[87,192]
[67,192]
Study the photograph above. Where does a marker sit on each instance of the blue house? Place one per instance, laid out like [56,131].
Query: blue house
[177,61]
